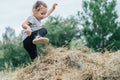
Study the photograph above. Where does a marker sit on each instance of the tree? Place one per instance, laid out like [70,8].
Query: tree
[14,54]
[9,34]
[61,31]
[100,26]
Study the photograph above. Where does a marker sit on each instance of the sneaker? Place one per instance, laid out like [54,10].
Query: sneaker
[40,40]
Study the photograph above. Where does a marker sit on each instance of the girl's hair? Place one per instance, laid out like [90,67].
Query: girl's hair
[38,4]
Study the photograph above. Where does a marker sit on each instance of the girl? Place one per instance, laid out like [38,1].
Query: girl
[34,33]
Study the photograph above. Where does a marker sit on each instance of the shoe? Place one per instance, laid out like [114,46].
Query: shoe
[40,40]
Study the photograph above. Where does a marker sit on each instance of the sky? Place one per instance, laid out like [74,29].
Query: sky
[14,12]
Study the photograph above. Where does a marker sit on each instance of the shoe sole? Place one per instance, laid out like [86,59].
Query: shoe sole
[41,41]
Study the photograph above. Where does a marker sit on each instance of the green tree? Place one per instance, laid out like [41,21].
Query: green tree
[100,26]
[9,34]
[61,31]
[13,54]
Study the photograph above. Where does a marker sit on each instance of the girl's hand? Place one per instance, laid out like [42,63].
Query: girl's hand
[54,5]
[28,31]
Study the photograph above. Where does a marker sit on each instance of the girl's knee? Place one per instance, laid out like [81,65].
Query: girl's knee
[45,30]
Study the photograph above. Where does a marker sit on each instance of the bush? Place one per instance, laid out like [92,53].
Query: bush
[61,31]
[12,51]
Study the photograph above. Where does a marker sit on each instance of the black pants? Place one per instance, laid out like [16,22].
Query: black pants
[29,46]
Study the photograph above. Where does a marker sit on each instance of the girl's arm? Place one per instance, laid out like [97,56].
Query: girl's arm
[26,26]
[51,10]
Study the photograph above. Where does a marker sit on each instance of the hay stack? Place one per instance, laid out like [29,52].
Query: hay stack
[63,64]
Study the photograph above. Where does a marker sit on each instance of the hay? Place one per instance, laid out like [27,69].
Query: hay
[63,64]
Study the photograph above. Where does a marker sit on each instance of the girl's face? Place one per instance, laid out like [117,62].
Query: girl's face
[41,13]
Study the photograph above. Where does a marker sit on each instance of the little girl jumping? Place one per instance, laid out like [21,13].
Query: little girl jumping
[34,33]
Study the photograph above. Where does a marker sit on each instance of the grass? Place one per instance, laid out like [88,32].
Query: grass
[7,75]
[73,64]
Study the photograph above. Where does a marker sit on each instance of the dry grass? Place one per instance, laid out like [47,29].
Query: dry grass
[63,64]
[8,75]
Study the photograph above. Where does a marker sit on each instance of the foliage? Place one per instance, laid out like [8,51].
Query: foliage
[13,54]
[77,43]
[100,25]
[61,31]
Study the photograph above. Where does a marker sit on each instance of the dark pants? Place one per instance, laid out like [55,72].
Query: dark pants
[29,46]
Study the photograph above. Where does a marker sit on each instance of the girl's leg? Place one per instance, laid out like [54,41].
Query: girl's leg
[42,32]
[40,39]
[30,47]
